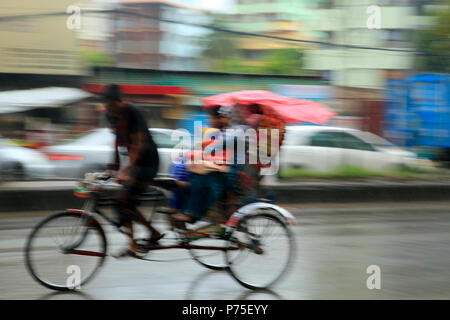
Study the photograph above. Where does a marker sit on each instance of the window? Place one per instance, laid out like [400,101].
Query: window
[374,140]
[325,4]
[268,16]
[324,139]
[151,46]
[348,141]
[395,35]
[124,22]
[151,23]
[163,140]
[329,36]
[396,2]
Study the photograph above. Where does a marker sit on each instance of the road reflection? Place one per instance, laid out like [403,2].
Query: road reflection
[68,295]
[207,278]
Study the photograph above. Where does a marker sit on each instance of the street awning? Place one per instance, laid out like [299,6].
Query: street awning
[23,100]
[135,89]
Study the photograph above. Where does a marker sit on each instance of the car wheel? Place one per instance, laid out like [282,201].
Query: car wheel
[400,166]
[444,158]
[13,171]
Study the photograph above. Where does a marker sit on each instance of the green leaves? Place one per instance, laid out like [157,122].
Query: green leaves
[436,39]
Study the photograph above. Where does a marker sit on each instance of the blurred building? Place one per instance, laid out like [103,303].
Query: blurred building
[37,45]
[172,99]
[95,31]
[281,18]
[354,23]
[142,42]
[38,49]
[360,75]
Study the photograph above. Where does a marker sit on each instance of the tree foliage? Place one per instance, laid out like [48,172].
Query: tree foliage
[283,61]
[220,48]
[223,55]
[435,40]
[96,59]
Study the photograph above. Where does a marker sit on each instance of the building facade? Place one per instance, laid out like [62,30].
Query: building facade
[37,39]
[95,31]
[143,37]
[281,18]
[172,99]
[388,24]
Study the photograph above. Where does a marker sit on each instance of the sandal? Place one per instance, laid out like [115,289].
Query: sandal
[180,217]
[155,241]
[165,210]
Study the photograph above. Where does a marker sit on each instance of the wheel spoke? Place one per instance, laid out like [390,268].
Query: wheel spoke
[60,243]
[265,253]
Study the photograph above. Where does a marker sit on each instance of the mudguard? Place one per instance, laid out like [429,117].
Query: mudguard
[252,208]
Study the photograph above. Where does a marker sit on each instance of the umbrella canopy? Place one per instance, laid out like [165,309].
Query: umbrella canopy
[289,109]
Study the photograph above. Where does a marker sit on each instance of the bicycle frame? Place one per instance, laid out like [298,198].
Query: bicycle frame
[91,208]
[241,238]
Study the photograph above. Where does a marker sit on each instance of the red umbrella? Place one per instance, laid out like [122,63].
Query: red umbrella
[289,109]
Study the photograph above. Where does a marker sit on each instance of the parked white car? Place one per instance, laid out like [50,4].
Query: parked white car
[93,151]
[19,163]
[324,149]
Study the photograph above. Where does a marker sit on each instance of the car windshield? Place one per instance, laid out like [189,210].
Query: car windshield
[374,140]
[162,139]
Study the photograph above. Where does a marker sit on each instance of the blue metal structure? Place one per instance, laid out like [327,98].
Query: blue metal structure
[417,113]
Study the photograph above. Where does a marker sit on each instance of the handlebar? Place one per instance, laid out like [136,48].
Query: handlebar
[99,181]
[104,177]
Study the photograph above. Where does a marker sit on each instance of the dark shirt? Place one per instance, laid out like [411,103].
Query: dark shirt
[132,121]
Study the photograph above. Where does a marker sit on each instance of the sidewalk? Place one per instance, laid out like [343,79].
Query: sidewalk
[56,195]
[353,191]
[38,195]
[33,185]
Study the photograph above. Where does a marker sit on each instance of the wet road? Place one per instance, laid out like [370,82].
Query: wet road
[335,245]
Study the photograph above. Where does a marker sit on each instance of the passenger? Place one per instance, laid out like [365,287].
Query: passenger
[209,180]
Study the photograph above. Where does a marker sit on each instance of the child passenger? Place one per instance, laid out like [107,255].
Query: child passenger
[182,178]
